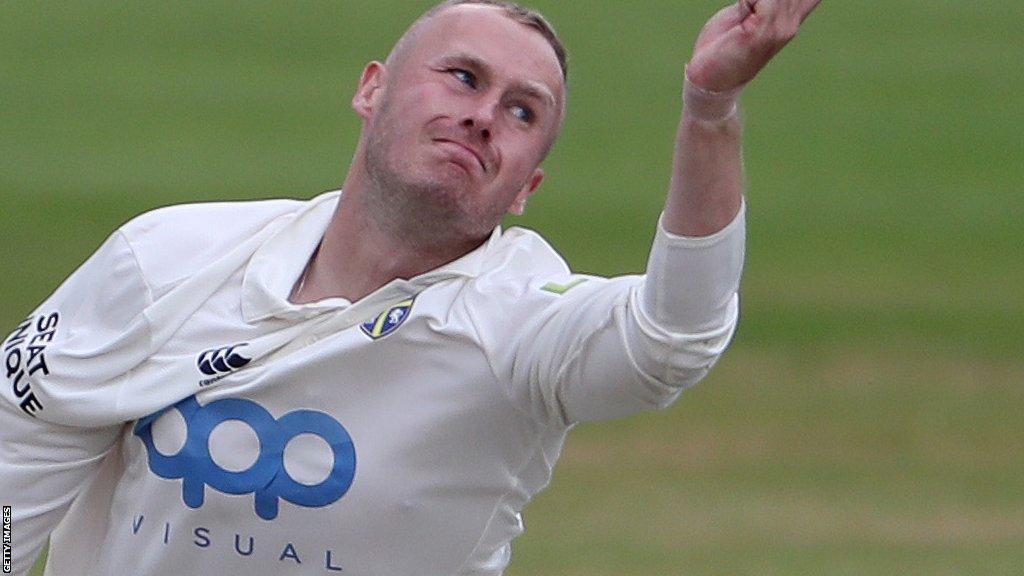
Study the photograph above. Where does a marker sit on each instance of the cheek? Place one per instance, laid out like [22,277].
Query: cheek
[523,156]
[428,99]
[410,108]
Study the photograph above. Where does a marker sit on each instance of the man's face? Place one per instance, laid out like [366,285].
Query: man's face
[458,125]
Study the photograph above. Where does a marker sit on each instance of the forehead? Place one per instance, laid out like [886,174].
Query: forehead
[485,32]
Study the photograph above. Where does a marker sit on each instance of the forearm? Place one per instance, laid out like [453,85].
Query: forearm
[694,270]
[707,176]
[732,48]
[43,467]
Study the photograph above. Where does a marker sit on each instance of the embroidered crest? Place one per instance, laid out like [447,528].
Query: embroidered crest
[388,321]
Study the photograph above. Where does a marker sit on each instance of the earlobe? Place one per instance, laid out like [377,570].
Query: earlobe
[519,205]
[371,86]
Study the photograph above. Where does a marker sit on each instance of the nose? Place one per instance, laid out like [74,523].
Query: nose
[471,125]
[480,121]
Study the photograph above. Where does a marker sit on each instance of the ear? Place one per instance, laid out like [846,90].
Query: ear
[519,204]
[371,89]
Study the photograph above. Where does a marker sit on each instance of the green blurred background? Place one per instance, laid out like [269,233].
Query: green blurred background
[870,414]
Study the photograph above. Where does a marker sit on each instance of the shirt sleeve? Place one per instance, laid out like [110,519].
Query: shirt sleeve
[607,348]
[46,456]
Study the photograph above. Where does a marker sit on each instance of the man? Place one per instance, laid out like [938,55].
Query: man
[376,381]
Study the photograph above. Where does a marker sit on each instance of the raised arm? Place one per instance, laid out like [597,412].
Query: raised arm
[597,349]
[733,47]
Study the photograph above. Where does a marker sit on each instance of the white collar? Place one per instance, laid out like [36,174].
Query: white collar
[277,263]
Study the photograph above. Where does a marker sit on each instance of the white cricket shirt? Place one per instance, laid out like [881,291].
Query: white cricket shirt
[168,411]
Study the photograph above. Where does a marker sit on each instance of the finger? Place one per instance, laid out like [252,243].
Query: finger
[767,10]
[807,8]
[746,8]
[726,18]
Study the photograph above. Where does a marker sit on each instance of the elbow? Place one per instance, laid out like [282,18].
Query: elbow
[678,360]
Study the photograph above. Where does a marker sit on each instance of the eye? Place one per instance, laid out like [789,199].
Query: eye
[463,76]
[523,113]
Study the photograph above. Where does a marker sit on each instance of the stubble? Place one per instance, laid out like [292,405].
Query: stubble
[419,204]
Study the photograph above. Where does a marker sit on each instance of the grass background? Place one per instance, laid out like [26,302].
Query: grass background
[867,419]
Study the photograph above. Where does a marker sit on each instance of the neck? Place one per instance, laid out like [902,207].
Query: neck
[359,253]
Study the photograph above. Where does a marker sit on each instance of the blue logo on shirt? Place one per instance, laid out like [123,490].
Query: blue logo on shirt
[267,478]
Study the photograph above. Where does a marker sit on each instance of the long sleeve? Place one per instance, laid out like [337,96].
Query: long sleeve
[45,461]
[576,348]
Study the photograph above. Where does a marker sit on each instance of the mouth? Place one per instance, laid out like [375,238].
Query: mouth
[465,152]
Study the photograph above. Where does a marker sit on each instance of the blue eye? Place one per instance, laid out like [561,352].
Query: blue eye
[522,113]
[465,77]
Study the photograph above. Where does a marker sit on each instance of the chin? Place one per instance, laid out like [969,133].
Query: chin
[434,204]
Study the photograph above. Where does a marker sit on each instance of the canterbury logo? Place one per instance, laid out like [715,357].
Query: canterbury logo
[221,360]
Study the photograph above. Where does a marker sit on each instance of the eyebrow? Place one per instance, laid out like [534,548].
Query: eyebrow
[530,88]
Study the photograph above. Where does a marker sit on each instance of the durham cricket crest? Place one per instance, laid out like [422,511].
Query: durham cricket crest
[389,320]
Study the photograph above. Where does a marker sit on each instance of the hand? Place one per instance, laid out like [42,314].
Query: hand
[740,40]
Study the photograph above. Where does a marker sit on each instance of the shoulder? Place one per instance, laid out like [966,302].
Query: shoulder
[523,267]
[524,279]
[516,259]
[170,242]
[206,221]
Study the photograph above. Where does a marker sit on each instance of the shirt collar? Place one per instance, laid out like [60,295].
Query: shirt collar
[277,263]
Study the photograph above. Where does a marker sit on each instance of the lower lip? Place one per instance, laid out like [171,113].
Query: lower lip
[466,159]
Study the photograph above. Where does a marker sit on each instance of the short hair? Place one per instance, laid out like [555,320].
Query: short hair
[525,16]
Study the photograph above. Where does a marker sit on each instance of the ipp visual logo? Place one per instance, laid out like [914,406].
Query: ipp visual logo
[267,478]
